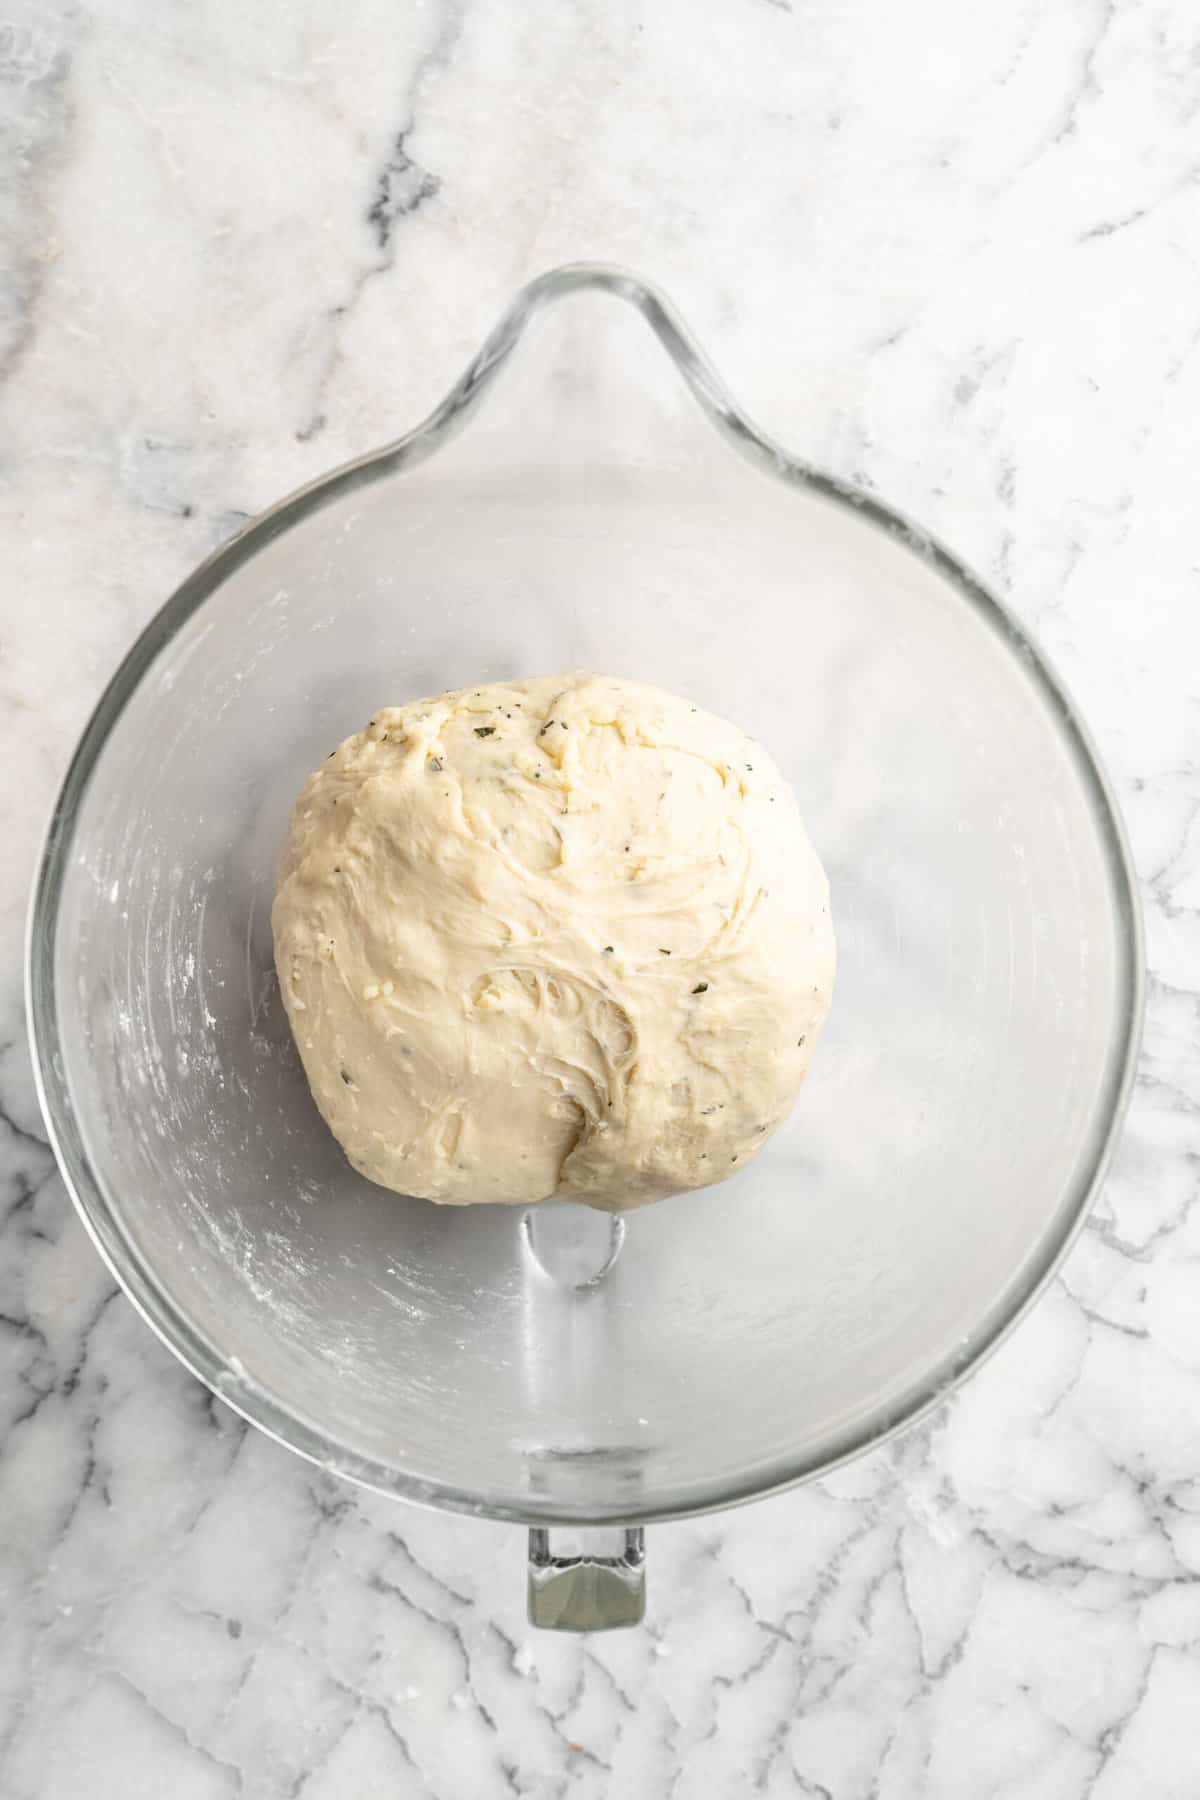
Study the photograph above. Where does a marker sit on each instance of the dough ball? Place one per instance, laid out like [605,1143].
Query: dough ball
[561,936]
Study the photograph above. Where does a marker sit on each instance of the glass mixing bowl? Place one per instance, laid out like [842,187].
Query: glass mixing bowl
[607,507]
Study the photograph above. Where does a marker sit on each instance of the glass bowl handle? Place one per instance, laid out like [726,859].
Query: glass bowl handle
[590,1588]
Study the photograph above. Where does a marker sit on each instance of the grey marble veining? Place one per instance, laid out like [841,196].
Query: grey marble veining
[953,252]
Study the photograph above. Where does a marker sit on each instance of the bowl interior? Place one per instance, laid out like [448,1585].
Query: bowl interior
[960,1098]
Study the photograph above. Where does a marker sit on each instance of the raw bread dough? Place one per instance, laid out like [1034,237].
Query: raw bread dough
[561,936]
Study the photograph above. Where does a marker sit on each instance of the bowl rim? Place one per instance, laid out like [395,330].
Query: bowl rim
[188,1343]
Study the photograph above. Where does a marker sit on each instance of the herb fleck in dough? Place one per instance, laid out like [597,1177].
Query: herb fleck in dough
[560,936]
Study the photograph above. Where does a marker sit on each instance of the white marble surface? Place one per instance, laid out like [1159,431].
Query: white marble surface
[950,249]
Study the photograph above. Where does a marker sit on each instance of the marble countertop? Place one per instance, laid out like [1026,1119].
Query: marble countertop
[953,250]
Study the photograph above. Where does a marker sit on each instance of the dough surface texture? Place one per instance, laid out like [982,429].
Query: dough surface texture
[564,936]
